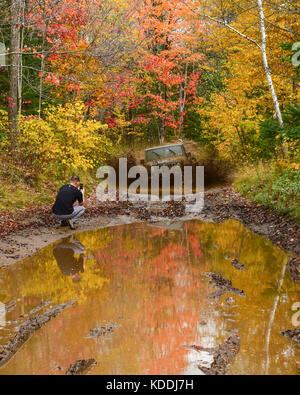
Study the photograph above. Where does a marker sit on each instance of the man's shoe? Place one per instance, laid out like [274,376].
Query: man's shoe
[71,224]
[64,223]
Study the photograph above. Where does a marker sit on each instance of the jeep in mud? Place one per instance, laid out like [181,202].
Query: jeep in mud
[167,155]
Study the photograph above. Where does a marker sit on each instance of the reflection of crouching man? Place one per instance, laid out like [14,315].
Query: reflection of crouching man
[64,207]
[65,252]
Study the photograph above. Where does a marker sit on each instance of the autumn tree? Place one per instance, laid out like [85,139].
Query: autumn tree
[258,78]
[235,17]
[170,64]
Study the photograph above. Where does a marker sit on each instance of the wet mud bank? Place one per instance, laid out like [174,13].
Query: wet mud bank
[281,231]
[294,268]
[226,203]
[27,231]
[292,334]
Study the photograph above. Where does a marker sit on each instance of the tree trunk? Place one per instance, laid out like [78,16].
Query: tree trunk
[266,63]
[20,82]
[263,50]
[42,75]
[183,99]
[14,72]
[162,132]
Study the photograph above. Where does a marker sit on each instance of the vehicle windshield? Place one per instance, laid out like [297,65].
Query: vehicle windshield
[164,152]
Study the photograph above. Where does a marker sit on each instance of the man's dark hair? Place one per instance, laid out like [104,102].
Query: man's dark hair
[75,179]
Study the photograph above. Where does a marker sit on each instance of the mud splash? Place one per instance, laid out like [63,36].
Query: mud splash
[141,294]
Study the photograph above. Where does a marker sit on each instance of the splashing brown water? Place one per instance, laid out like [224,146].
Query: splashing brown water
[141,292]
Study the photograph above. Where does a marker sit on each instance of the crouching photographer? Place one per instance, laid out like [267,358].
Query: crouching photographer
[65,208]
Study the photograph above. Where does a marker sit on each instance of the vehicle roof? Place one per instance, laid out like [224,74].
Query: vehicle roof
[163,146]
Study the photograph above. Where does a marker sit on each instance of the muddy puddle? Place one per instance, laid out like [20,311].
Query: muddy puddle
[153,299]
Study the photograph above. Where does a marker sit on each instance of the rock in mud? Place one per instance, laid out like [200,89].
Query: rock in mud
[294,268]
[238,265]
[81,367]
[27,329]
[223,356]
[230,301]
[102,330]
[292,334]
[223,286]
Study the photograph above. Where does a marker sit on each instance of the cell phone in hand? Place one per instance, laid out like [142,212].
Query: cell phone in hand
[81,187]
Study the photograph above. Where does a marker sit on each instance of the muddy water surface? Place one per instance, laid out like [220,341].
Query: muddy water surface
[144,287]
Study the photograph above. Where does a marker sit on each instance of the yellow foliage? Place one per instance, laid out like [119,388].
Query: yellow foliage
[118,132]
[247,96]
[3,125]
[63,142]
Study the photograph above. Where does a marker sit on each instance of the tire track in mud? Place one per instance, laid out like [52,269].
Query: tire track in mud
[27,329]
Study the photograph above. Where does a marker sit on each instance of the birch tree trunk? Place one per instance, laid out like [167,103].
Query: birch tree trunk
[263,49]
[266,63]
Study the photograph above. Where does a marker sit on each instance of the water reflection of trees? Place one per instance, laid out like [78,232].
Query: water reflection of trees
[154,276]
[41,277]
[152,260]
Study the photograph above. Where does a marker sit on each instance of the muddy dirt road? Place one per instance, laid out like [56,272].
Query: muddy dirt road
[27,231]
[151,291]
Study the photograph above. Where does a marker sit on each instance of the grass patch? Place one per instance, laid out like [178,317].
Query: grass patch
[20,195]
[273,186]
[19,189]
